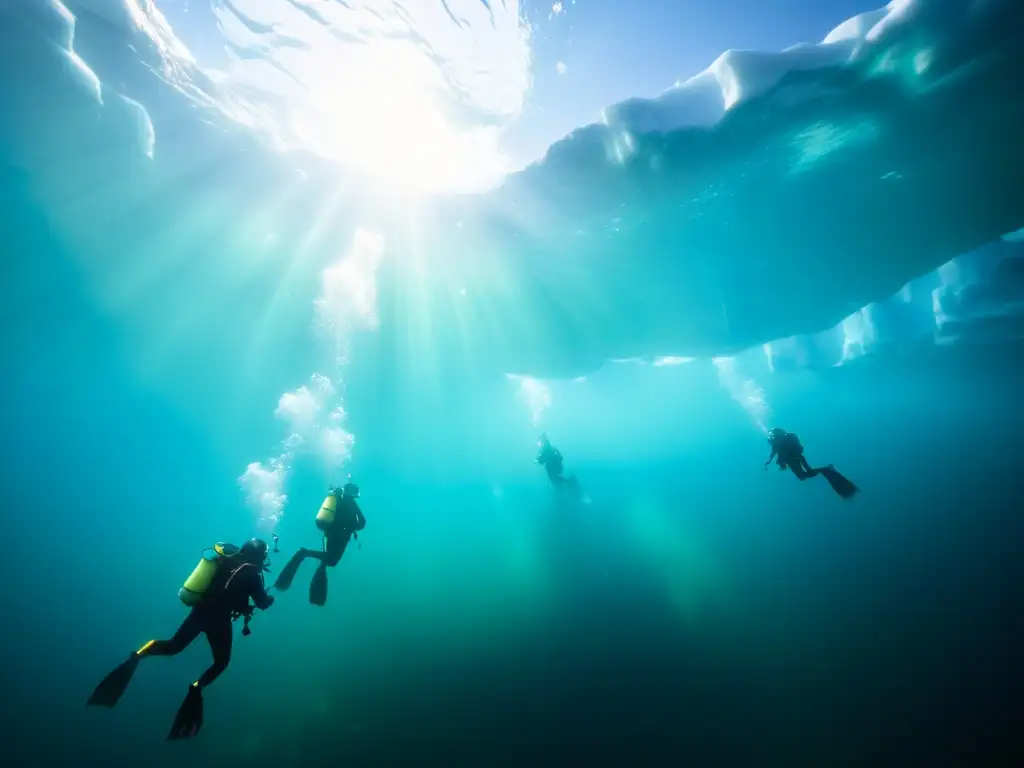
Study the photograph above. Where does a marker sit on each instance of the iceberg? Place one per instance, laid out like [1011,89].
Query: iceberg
[763,200]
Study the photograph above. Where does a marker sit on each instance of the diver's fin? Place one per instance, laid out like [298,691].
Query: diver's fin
[189,720]
[113,686]
[839,483]
[318,586]
[287,574]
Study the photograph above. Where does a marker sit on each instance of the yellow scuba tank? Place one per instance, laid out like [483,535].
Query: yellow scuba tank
[325,517]
[197,586]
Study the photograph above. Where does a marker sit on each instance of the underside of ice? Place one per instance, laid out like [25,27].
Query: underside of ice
[767,198]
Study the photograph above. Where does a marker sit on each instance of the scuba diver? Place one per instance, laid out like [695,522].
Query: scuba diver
[339,519]
[550,458]
[786,446]
[218,592]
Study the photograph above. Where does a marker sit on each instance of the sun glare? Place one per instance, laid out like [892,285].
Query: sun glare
[410,93]
[388,123]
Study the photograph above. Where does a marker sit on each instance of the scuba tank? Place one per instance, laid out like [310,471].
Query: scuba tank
[197,585]
[329,509]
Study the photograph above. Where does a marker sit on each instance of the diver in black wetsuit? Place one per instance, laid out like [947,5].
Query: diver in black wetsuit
[339,520]
[786,446]
[550,458]
[790,455]
[237,580]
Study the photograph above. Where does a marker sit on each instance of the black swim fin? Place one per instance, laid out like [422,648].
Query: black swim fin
[839,483]
[113,686]
[287,574]
[318,586]
[189,720]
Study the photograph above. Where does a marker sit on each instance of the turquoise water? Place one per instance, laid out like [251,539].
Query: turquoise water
[171,322]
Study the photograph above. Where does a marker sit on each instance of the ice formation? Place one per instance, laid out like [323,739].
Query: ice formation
[762,201]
